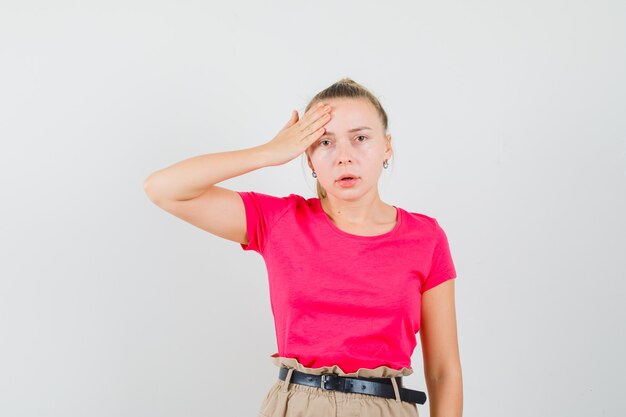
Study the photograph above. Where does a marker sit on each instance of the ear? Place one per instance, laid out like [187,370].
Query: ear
[388,149]
[308,160]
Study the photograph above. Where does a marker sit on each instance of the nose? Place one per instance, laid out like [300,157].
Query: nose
[344,155]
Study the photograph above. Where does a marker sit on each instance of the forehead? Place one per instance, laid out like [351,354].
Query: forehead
[351,105]
[347,113]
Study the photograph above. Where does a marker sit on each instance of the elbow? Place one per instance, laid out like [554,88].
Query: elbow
[149,188]
[448,371]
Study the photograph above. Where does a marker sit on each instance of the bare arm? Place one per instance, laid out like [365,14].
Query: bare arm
[190,178]
[187,189]
[440,349]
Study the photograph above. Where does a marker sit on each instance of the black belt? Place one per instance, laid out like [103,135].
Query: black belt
[381,387]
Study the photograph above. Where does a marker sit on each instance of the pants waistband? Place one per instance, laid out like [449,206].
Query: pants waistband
[381,387]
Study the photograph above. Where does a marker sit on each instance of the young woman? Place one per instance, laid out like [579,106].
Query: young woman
[352,278]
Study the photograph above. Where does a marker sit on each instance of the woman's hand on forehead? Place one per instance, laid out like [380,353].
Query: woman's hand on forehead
[297,134]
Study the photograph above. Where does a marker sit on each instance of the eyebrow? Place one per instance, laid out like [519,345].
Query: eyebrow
[356,129]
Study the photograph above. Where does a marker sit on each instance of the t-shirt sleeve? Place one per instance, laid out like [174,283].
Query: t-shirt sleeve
[442,266]
[262,212]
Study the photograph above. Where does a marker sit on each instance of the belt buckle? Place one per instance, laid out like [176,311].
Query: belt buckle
[324,380]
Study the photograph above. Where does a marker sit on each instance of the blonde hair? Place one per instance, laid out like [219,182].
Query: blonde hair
[347,88]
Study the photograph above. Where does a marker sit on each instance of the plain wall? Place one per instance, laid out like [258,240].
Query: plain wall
[508,121]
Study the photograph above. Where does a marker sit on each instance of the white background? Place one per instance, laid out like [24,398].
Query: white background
[508,120]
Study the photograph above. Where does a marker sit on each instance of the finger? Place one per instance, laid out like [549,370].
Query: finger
[313,136]
[310,139]
[313,111]
[314,125]
[314,114]
[292,121]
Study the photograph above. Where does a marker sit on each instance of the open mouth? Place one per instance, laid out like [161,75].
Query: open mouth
[348,177]
[347,181]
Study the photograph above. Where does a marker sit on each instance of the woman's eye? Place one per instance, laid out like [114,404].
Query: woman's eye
[364,137]
[322,142]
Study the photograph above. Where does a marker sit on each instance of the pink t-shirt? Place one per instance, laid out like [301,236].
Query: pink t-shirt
[343,299]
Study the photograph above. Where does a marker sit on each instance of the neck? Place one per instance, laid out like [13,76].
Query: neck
[367,209]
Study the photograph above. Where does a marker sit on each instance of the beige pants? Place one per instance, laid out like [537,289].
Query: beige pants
[286,399]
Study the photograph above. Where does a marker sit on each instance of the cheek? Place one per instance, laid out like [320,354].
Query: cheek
[321,156]
[323,167]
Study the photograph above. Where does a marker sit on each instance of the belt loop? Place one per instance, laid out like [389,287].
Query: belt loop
[285,386]
[395,388]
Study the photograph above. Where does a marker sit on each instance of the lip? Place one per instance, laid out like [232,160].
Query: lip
[347,174]
[347,183]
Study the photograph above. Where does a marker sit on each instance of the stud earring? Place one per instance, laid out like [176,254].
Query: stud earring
[385,164]
[314,174]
